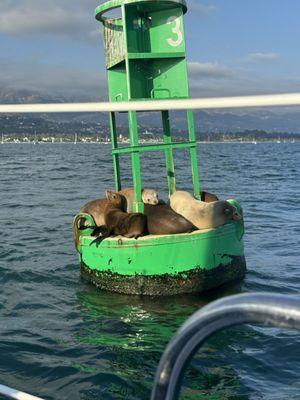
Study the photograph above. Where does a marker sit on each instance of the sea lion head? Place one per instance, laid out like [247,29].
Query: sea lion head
[115,199]
[230,212]
[149,196]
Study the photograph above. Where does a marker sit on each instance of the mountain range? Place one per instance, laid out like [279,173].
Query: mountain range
[269,120]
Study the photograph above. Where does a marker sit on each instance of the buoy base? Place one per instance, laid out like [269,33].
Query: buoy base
[193,281]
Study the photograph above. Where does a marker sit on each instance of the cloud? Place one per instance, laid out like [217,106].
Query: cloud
[215,80]
[55,80]
[49,17]
[208,70]
[200,8]
[242,84]
[263,57]
[60,18]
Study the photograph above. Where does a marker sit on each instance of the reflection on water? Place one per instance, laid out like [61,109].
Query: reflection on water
[61,338]
[136,330]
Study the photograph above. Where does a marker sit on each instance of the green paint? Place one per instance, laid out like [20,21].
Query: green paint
[110,5]
[112,122]
[135,161]
[154,147]
[145,60]
[169,152]
[193,154]
[160,255]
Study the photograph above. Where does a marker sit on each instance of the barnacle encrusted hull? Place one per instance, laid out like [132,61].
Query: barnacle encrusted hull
[192,281]
[165,265]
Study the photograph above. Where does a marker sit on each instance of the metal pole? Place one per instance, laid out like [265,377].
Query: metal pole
[169,152]
[193,154]
[135,162]
[114,143]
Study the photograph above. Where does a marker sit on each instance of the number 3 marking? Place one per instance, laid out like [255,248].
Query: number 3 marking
[176,30]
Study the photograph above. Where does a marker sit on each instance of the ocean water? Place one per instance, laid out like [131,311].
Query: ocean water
[61,338]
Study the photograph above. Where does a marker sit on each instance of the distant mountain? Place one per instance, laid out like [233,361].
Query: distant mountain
[12,96]
[206,121]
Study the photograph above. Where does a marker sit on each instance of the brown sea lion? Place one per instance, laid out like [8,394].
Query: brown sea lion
[208,197]
[96,207]
[203,215]
[149,196]
[162,220]
[118,222]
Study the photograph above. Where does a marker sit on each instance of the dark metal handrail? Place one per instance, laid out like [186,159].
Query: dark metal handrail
[267,309]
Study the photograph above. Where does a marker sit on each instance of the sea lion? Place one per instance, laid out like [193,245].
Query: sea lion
[118,222]
[203,215]
[162,220]
[208,197]
[149,196]
[95,208]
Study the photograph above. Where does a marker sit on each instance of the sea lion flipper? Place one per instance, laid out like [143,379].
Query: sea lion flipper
[101,231]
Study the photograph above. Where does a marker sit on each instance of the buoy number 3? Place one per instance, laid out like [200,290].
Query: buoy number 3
[176,30]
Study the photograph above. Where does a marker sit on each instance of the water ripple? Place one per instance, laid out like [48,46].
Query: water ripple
[63,339]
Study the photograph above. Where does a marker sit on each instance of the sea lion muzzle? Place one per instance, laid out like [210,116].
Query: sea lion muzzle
[236,216]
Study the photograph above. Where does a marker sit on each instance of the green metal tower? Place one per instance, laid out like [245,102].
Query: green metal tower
[146,60]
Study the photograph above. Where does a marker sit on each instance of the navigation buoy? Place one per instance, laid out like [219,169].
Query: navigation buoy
[146,60]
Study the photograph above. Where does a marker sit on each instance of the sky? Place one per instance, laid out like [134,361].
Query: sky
[234,47]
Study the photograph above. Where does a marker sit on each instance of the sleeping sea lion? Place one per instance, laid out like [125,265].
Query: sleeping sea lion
[162,220]
[149,196]
[95,208]
[203,215]
[208,197]
[118,222]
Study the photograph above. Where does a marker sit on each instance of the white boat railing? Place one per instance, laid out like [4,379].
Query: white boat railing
[273,310]
[271,100]
[16,394]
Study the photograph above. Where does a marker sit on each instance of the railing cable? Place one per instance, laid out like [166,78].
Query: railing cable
[16,394]
[285,99]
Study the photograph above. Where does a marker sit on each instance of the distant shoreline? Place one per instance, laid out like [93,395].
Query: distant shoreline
[254,142]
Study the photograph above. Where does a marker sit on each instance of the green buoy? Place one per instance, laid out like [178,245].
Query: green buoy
[146,60]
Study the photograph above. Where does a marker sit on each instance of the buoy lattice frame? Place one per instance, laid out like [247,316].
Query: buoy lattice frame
[146,60]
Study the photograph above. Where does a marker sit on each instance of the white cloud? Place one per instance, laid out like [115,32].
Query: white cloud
[213,80]
[49,17]
[55,80]
[242,84]
[201,8]
[208,70]
[263,57]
